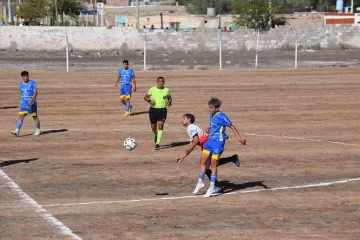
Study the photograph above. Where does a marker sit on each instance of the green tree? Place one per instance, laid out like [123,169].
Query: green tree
[71,8]
[200,6]
[31,10]
[256,14]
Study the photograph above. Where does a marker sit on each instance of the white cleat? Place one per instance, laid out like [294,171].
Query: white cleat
[210,192]
[15,133]
[37,133]
[199,186]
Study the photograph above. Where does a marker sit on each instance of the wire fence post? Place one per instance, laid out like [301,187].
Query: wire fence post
[296,49]
[220,46]
[67,51]
[257,49]
[144,52]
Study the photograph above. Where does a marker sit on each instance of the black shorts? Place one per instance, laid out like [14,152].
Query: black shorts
[157,114]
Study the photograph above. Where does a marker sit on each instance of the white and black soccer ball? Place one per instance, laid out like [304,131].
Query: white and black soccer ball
[130,144]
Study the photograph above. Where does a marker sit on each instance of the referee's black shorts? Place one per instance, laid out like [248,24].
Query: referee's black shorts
[157,114]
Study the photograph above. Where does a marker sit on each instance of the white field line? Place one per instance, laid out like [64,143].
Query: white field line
[178,130]
[197,196]
[64,230]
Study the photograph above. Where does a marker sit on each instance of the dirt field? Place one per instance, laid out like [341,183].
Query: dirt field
[299,176]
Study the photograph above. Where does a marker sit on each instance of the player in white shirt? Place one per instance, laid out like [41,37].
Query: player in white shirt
[198,137]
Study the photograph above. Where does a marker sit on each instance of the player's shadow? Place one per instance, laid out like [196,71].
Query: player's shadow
[8,107]
[139,113]
[175,144]
[12,162]
[54,131]
[230,187]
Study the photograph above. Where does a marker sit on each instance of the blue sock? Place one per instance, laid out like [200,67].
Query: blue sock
[201,175]
[127,106]
[213,178]
[19,124]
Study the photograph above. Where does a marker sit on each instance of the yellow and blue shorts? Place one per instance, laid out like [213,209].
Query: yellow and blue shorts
[31,110]
[215,148]
[125,91]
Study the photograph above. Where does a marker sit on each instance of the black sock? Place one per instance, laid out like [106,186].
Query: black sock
[223,161]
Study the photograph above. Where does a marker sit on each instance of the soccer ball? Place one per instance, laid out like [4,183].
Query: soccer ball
[130,144]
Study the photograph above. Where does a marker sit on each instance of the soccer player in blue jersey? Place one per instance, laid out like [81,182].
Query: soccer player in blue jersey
[126,76]
[215,145]
[28,104]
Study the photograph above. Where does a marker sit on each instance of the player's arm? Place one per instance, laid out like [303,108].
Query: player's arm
[189,149]
[133,81]
[169,101]
[33,97]
[237,134]
[147,99]
[117,80]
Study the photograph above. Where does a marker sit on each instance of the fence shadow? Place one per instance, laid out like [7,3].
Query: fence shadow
[12,162]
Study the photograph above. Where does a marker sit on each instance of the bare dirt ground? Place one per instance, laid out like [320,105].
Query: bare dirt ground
[298,179]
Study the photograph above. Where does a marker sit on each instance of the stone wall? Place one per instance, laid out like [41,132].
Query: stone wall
[102,39]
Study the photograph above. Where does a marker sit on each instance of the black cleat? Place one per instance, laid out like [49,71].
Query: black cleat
[157,147]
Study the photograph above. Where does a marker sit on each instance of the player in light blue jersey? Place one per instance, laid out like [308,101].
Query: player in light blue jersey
[216,143]
[28,104]
[126,76]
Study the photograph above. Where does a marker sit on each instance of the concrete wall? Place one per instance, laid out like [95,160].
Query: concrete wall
[102,39]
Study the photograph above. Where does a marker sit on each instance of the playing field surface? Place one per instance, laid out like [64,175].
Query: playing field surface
[299,176]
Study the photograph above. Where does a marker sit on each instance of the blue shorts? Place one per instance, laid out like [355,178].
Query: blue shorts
[32,110]
[215,148]
[125,91]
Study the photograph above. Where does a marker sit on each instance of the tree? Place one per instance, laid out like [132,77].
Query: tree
[31,10]
[255,14]
[200,6]
[71,8]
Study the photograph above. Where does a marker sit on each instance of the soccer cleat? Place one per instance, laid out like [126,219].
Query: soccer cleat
[210,191]
[37,133]
[15,133]
[126,114]
[199,186]
[236,160]
[157,147]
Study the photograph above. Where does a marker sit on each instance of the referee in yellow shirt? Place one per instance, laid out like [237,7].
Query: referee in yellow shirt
[159,98]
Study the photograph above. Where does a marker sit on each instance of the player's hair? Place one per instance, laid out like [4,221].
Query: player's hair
[126,61]
[160,78]
[24,73]
[214,101]
[190,116]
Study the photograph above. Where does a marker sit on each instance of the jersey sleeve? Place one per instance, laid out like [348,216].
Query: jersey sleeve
[119,73]
[168,93]
[132,73]
[192,131]
[150,92]
[34,86]
[225,120]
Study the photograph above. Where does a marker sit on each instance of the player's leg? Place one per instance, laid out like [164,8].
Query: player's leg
[218,148]
[153,124]
[127,90]
[19,123]
[33,113]
[162,114]
[234,159]
[200,184]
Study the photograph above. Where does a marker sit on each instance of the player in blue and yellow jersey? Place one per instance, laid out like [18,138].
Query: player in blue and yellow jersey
[126,76]
[216,143]
[28,104]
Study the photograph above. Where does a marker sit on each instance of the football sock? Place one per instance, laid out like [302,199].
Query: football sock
[19,124]
[155,132]
[223,161]
[201,176]
[213,179]
[127,104]
[37,123]
[159,136]
[208,174]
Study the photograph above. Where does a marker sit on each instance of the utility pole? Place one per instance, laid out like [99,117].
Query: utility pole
[9,11]
[137,15]
[352,6]
[56,13]
[161,20]
[93,11]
